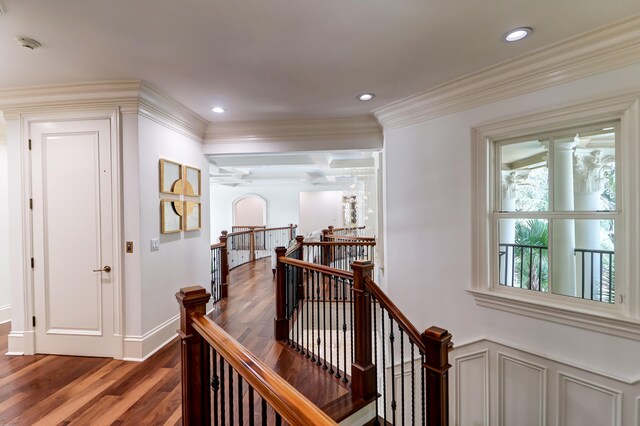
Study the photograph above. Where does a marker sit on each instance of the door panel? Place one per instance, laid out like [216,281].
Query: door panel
[71,164]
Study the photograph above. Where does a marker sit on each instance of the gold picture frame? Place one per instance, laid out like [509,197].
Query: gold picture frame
[170,220]
[192,215]
[191,181]
[170,174]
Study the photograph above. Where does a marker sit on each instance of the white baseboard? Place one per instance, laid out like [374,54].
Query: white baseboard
[5,314]
[361,416]
[139,348]
[21,343]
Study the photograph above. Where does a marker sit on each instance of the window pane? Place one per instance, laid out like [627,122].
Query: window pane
[584,172]
[523,254]
[525,176]
[583,259]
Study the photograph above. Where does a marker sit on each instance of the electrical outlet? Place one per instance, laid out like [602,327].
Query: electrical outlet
[129,246]
[155,244]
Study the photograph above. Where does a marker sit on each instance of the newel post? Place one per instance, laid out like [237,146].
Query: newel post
[281,323]
[194,358]
[326,249]
[291,236]
[363,372]
[252,243]
[224,260]
[436,341]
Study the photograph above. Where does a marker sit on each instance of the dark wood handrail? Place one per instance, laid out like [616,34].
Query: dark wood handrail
[293,249]
[412,333]
[318,268]
[346,228]
[294,407]
[339,243]
[348,238]
[218,245]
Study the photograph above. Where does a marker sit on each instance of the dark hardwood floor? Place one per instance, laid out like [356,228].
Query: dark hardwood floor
[63,390]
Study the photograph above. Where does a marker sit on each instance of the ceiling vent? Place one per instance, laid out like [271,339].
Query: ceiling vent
[28,42]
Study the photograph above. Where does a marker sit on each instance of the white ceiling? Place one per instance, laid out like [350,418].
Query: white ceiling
[320,169]
[278,59]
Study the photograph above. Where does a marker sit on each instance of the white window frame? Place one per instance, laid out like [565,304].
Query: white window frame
[623,317]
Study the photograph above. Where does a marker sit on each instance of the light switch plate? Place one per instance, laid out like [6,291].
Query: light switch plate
[155,244]
[129,246]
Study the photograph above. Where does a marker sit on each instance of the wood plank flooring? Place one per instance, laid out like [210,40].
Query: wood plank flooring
[63,390]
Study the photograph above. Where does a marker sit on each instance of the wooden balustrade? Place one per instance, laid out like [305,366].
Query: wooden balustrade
[205,350]
[370,307]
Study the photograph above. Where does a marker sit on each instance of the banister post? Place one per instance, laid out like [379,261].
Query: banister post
[194,352]
[291,236]
[330,229]
[224,260]
[326,249]
[252,243]
[281,323]
[363,372]
[436,341]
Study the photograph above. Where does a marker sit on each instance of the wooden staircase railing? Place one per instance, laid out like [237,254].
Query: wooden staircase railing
[319,308]
[214,364]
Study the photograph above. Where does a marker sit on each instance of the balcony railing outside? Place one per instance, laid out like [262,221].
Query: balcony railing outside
[526,266]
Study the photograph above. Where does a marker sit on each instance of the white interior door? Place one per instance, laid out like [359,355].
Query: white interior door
[73,238]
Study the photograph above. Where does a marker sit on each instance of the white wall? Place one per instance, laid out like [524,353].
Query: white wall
[282,205]
[428,216]
[5,299]
[319,210]
[183,258]
[249,211]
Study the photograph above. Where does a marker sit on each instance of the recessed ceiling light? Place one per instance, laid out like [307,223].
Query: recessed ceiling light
[217,110]
[366,96]
[517,34]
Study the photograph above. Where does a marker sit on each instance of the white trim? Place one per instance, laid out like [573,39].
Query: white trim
[609,47]
[362,132]
[21,343]
[540,369]
[243,197]
[130,96]
[622,319]
[457,385]
[5,314]
[140,348]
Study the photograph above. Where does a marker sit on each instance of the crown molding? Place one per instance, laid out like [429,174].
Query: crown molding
[609,47]
[360,128]
[130,96]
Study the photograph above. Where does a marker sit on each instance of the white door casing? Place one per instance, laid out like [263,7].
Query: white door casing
[73,235]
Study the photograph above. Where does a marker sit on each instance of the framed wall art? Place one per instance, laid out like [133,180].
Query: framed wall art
[170,176]
[170,218]
[191,181]
[192,216]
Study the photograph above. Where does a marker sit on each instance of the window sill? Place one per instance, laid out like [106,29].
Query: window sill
[603,322]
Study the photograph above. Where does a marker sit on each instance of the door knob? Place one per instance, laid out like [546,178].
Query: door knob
[105,269]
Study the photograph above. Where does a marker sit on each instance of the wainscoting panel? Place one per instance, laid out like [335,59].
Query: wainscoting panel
[582,402]
[495,384]
[471,397]
[522,392]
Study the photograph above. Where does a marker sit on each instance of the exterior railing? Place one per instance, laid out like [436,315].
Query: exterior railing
[527,266]
[343,323]
[224,383]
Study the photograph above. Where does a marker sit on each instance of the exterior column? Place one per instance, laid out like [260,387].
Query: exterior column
[589,180]
[563,231]
[508,226]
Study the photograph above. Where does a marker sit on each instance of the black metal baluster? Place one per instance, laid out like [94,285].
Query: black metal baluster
[393,370]
[230,395]
[344,330]
[222,401]
[610,281]
[592,275]
[240,406]
[513,266]
[402,372]
[384,365]
[600,283]
[251,408]
[540,269]
[374,308]
[521,265]
[530,267]
[337,302]
[318,340]
[313,316]
[352,320]
[264,412]
[424,408]
[331,283]
[278,420]
[215,385]
[309,292]
[413,383]
[324,321]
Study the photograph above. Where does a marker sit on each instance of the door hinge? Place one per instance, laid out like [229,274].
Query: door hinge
[31,203]
[29,144]
[33,263]
[33,321]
